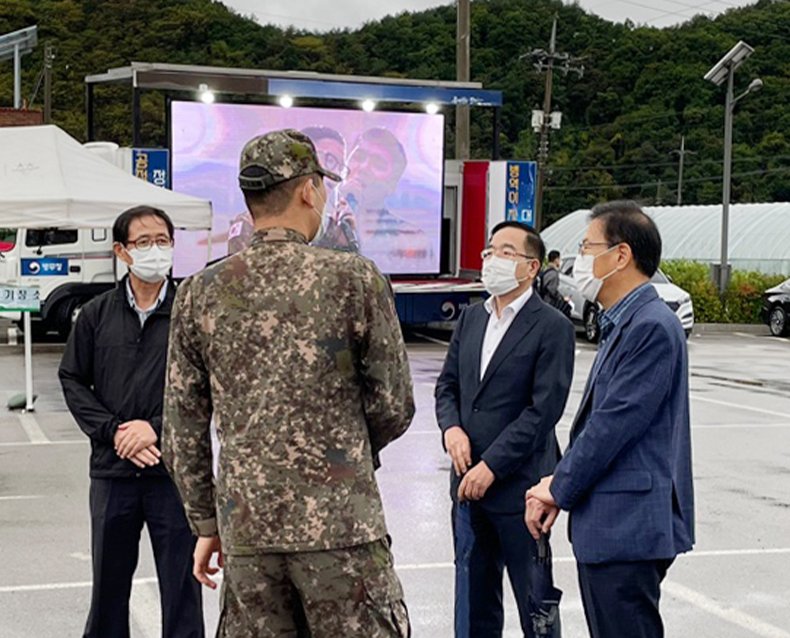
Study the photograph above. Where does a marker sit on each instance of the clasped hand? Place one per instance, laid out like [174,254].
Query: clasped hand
[136,441]
[542,510]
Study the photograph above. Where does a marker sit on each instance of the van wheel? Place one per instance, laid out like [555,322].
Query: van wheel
[64,316]
[591,329]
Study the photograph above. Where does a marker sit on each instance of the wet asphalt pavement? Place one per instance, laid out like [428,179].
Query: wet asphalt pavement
[735,583]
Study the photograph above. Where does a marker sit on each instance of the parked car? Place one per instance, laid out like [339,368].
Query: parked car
[776,308]
[585,314]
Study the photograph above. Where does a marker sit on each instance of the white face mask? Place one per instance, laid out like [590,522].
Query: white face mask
[153,264]
[499,275]
[322,225]
[584,274]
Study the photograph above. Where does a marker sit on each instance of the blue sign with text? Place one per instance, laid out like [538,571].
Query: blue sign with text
[152,165]
[520,192]
[45,267]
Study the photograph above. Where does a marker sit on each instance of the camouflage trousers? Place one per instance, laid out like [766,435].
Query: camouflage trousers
[344,593]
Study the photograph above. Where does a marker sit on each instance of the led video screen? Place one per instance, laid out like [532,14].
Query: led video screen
[388,205]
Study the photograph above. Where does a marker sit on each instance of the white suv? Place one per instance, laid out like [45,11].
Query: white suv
[585,314]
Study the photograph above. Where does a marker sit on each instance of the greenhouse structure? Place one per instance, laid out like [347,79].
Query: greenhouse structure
[759,234]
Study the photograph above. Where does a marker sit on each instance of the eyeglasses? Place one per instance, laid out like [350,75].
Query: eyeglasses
[146,243]
[331,163]
[506,253]
[584,246]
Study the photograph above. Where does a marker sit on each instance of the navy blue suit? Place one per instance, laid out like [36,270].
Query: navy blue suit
[626,477]
[509,417]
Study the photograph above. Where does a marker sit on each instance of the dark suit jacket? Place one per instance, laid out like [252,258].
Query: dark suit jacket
[626,477]
[510,415]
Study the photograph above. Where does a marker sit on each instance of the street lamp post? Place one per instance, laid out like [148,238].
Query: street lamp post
[724,70]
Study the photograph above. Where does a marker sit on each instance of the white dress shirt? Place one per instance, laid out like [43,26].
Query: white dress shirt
[498,326]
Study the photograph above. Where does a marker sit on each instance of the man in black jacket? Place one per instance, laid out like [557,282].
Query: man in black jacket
[549,280]
[113,377]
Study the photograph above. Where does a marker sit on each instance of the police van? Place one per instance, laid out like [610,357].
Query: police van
[69,267]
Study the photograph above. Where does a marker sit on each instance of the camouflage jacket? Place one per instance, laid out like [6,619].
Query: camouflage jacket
[297,354]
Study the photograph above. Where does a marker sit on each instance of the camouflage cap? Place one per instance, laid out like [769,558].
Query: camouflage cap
[276,157]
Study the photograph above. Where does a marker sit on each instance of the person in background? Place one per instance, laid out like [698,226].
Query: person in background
[549,284]
[376,164]
[626,478]
[113,379]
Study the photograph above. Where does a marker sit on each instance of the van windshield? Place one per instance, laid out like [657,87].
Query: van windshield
[7,239]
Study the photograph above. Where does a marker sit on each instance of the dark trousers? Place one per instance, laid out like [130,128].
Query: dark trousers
[500,540]
[621,599]
[119,508]
[463,543]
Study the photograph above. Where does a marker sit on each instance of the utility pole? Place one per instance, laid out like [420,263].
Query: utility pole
[49,56]
[681,153]
[547,61]
[463,74]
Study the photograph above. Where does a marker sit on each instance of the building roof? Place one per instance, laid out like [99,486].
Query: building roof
[759,234]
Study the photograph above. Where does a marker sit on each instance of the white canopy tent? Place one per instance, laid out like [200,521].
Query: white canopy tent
[48,179]
[759,234]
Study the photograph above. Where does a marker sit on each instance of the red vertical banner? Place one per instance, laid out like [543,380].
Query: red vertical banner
[473,215]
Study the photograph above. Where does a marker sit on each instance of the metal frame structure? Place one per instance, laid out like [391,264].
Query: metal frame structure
[13,46]
[296,84]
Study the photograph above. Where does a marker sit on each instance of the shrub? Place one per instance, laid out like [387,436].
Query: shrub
[744,297]
[694,278]
[742,301]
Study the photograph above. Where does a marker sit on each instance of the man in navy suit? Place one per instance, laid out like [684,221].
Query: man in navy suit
[626,477]
[502,390]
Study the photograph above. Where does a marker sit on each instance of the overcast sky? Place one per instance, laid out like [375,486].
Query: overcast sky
[322,15]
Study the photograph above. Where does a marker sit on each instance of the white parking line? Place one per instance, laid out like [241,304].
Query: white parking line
[746,621]
[564,426]
[33,429]
[716,553]
[727,404]
[14,589]
[19,498]
[720,553]
[29,443]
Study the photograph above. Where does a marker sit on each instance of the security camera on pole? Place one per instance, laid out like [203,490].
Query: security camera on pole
[724,70]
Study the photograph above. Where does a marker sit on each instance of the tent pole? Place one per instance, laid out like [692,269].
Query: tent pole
[28,363]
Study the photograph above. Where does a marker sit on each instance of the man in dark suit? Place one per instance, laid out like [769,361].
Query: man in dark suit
[500,394]
[626,478]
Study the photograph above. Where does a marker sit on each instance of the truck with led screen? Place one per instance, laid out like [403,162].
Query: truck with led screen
[388,206]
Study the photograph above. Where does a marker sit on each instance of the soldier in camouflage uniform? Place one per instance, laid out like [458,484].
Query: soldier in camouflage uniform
[297,353]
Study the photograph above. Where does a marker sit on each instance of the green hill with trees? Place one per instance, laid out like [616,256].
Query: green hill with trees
[642,90]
